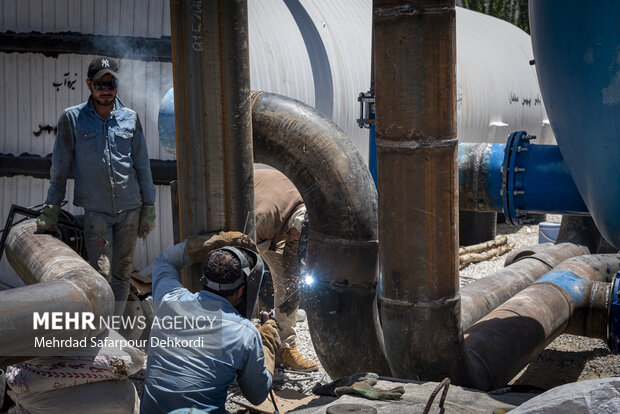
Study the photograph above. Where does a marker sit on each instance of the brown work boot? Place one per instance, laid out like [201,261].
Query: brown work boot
[291,358]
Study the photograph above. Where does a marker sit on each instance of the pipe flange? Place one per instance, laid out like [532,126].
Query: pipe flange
[613,336]
[513,185]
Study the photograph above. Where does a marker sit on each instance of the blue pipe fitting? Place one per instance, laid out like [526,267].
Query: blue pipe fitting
[480,177]
[535,180]
[614,316]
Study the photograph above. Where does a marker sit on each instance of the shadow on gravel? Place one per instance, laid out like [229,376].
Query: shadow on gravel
[552,368]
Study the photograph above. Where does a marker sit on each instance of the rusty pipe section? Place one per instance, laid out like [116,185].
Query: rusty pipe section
[59,280]
[211,70]
[341,199]
[415,81]
[591,320]
[483,295]
[569,299]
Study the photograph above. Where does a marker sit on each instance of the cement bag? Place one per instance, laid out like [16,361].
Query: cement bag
[106,397]
[600,396]
[53,373]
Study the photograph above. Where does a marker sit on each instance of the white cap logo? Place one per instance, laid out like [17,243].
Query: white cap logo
[105,63]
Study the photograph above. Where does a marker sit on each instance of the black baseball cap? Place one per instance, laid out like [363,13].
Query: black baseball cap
[102,65]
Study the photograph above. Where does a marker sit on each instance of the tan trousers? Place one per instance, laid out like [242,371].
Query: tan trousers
[285,272]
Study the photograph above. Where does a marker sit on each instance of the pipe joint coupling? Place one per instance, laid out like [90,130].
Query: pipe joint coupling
[513,185]
[613,336]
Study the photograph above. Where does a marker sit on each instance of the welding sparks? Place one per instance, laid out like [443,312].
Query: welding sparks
[309,279]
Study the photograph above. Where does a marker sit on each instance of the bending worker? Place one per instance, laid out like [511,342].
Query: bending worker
[231,280]
[280,213]
[101,142]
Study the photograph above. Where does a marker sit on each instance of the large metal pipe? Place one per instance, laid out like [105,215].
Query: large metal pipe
[569,299]
[517,179]
[418,194]
[341,199]
[482,296]
[59,279]
[211,69]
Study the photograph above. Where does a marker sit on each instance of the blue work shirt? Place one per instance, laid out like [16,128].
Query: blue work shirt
[173,382]
[108,158]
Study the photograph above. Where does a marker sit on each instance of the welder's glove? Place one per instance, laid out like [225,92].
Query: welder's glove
[199,247]
[46,222]
[358,384]
[147,220]
[271,342]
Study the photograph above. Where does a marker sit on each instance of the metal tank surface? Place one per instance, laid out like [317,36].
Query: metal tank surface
[578,65]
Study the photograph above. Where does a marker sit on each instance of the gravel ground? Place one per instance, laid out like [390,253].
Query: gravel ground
[567,359]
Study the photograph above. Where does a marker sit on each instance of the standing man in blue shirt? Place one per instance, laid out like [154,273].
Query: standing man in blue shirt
[102,143]
[231,280]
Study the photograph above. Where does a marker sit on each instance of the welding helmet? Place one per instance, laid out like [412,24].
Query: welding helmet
[251,276]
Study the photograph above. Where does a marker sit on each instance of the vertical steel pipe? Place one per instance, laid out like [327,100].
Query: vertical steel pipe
[211,72]
[415,80]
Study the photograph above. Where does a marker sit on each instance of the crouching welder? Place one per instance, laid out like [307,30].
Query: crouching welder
[280,212]
[232,274]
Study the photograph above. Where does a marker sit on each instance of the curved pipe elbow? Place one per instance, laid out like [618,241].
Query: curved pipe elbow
[341,200]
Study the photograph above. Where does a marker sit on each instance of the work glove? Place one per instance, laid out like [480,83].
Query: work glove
[147,220]
[358,384]
[199,247]
[271,342]
[46,222]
